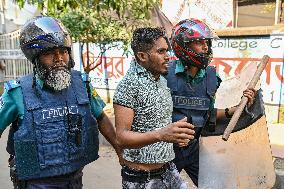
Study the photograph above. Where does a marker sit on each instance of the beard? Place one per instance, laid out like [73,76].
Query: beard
[55,78]
[58,79]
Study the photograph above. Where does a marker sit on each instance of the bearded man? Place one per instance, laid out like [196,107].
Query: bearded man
[55,113]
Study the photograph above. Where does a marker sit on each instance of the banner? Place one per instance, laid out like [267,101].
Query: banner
[108,68]
[216,13]
[231,55]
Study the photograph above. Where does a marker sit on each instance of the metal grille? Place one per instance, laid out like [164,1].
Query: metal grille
[16,63]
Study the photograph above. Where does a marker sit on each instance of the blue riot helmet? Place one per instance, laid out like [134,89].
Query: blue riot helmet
[41,34]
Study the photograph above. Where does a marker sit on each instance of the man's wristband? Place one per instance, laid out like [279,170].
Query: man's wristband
[227,113]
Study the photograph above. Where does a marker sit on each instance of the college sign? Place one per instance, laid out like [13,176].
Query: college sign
[231,55]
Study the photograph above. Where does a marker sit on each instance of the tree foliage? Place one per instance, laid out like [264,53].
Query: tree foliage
[86,26]
[137,8]
[98,21]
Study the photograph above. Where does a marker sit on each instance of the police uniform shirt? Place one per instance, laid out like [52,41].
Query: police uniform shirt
[12,105]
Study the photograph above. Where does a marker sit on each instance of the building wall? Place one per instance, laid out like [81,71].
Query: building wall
[12,17]
[231,56]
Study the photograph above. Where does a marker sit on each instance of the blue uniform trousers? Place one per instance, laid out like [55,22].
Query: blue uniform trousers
[187,158]
[68,181]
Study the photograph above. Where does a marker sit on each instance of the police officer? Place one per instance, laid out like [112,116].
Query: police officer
[193,86]
[56,114]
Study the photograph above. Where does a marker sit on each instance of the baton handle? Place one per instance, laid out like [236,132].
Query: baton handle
[244,99]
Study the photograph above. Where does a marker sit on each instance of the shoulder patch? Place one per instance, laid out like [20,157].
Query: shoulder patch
[86,77]
[94,93]
[1,102]
[11,84]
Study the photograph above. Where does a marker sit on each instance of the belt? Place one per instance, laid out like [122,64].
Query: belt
[134,175]
[68,176]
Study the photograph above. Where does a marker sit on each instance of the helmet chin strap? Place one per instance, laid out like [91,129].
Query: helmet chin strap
[204,58]
[40,71]
[71,62]
[189,63]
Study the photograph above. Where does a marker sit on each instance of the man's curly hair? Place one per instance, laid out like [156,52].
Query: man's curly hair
[143,38]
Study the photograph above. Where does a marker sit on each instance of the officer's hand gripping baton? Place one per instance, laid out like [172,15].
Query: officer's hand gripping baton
[244,99]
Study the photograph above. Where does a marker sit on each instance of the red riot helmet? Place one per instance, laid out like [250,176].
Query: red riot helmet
[183,34]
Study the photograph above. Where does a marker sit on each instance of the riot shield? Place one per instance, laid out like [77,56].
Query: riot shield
[245,160]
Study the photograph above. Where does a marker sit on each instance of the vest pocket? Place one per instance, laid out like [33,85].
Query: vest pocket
[92,142]
[52,148]
[75,136]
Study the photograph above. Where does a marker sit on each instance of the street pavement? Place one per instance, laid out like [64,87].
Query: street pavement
[104,173]
[276,138]
[101,174]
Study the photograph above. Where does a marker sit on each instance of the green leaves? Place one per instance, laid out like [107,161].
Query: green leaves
[99,21]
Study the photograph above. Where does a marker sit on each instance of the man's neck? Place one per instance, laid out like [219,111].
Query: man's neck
[156,76]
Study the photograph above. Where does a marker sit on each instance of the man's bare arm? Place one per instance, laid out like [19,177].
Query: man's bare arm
[178,132]
[108,131]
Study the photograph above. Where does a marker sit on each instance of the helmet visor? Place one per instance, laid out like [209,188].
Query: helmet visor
[49,25]
[43,33]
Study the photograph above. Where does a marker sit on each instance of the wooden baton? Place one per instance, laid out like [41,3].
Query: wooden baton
[244,99]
